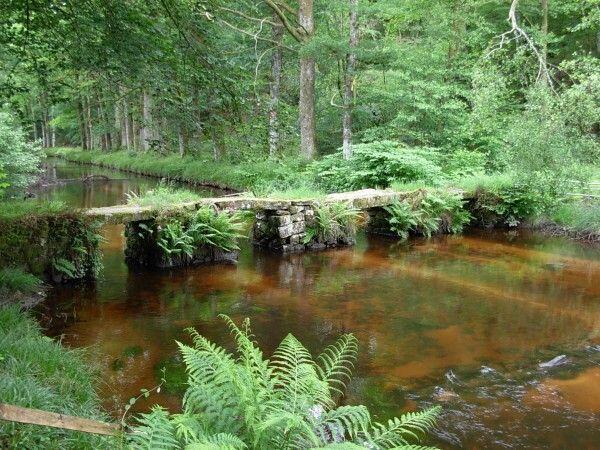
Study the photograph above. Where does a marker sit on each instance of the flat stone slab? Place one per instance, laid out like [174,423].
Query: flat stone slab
[362,199]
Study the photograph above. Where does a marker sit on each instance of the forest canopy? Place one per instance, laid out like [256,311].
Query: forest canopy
[483,82]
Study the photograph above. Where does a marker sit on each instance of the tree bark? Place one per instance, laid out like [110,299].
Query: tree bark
[181,141]
[307,83]
[82,133]
[145,130]
[274,87]
[90,134]
[349,81]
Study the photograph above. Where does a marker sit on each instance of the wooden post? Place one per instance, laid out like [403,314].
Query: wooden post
[38,417]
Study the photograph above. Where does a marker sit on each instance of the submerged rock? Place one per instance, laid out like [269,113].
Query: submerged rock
[452,378]
[485,370]
[444,395]
[560,360]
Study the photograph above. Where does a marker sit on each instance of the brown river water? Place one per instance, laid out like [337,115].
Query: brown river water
[459,321]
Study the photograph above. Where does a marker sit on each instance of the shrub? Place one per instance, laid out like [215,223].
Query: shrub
[430,213]
[333,222]
[38,372]
[462,163]
[376,164]
[183,238]
[288,402]
[19,159]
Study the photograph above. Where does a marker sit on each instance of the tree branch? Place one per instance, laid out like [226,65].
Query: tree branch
[300,37]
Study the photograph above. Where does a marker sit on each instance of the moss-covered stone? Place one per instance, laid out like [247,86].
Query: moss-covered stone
[59,247]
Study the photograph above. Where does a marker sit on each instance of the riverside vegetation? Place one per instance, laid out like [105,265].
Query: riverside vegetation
[431,97]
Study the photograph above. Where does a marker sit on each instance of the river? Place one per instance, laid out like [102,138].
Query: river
[460,321]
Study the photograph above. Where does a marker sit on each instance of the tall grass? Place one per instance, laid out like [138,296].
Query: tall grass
[14,280]
[163,195]
[38,372]
[579,216]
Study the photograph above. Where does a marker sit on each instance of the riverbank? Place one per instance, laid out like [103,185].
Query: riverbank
[257,175]
[38,372]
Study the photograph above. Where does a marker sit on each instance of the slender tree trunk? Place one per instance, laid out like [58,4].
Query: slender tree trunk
[44,141]
[307,84]
[145,133]
[90,134]
[349,81]
[544,52]
[274,87]
[82,133]
[181,141]
[215,142]
[34,121]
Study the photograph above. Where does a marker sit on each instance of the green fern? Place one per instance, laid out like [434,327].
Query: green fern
[243,400]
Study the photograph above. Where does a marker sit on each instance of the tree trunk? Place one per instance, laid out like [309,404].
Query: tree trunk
[274,87]
[216,147]
[34,120]
[82,132]
[181,139]
[349,81]
[544,52]
[145,133]
[307,83]
[90,134]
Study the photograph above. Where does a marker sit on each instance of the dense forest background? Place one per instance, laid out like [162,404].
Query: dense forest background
[481,82]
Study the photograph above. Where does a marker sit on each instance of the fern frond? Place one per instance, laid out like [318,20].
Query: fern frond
[337,362]
[296,377]
[349,421]
[154,432]
[220,441]
[397,430]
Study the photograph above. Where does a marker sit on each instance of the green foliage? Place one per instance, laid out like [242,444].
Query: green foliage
[401,219]
[182,236]
[333,222]
[46,239]
[582,216]
[16,280]
[163,195]
[18,159]
[463,163]
[430,213]
[511,205]
[38,372]
[174,240]
[377,164]
[242,400]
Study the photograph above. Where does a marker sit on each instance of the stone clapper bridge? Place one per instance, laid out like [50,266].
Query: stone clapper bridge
[280,225]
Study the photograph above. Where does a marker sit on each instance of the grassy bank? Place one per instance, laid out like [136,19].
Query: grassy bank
[258,176]
[20,288]
[38,372]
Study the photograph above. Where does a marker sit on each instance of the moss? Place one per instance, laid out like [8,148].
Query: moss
[61,245]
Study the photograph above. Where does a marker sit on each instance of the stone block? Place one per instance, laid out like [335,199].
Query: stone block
[298,217]
[283,220]
[295,209]
[293,228]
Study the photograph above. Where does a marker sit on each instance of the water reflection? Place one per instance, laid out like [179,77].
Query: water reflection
[428,315]
[458,321]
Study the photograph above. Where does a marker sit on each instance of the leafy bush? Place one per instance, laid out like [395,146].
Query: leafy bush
[333,222]
[430,213]
[288,402]
[463,163]
[19,159]
[38,372]
[376,164]
[511,205]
